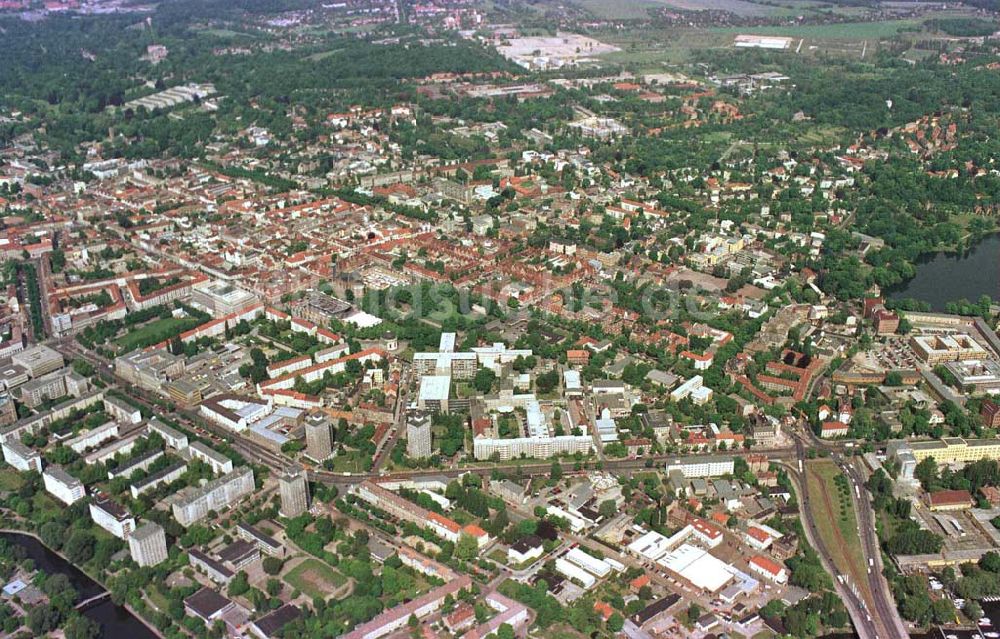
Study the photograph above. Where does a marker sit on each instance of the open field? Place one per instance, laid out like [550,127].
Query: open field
[739,7]
[853,31]
[162,328]
[10,479]
[837,522]
[315,578]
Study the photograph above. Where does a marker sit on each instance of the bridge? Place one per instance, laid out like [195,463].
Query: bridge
[90,601]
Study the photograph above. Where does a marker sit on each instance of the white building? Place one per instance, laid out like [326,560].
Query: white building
[172,437]
[20,456]
[112,517]
[193,504]
[525,550]
[148,544]
[220,463]
[93,437]
[701,466]
[575,573]
[62,485]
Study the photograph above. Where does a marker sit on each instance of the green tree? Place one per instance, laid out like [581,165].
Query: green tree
[466,548]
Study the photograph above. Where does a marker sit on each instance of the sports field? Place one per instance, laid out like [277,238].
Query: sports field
[315,578]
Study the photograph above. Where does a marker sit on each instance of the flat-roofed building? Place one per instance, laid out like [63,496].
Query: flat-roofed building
[122,410]
[294,489]
[319,436]
[418,435]
[42,389]
[212,567]
[93,437]
[12,376]
[20,456]
[193,504]
[148,544]
[265,543]
[112,517]
[38,360]
[221,298]
[434,392]
[150,370]
[62,485]
[536,447]
[269,626]
[936,349]
[208,605]
[220,463]
[130,466]
[701,465]
[171,436]
[948,450]
[163,476]
[8,411]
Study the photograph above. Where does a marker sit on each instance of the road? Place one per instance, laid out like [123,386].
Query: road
[864,625]
[886,622]
[885,605]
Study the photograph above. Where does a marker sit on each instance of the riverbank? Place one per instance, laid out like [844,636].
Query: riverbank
[117,621]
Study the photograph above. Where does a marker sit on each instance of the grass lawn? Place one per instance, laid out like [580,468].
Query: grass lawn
[157,598]
[855,31]
[10,479]
[315,578]
[836,521]
[163,329]
[350,462]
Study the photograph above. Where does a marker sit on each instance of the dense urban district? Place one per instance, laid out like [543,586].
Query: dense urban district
[499,318]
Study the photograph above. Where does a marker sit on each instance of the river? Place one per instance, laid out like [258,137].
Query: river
[949,277]
[116,622]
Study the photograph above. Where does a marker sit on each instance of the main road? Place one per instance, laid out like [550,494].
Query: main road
[876,617]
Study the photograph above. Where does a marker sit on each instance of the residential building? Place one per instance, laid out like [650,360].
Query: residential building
[148,544]
[20,456]
[193,504]
[62,485]
[319,437]
[769,569]
[220,463]
[395,618]
[294,489]
[112,517]
[536,447]
[8,411]
[122,411]
[42,389]
[418,435]
[525,550]
[163,476]
[171,437]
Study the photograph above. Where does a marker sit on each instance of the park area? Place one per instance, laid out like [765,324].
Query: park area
[315,578]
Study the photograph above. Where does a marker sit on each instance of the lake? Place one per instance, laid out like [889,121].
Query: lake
[949,277]
[116,622]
